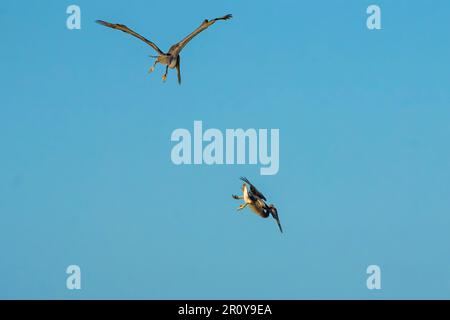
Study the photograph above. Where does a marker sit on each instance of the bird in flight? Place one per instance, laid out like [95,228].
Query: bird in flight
[256,201]
[170,59]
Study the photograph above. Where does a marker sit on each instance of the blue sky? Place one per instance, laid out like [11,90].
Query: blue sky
[86,176]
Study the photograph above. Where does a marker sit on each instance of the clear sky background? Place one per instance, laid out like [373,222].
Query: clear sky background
[86,176]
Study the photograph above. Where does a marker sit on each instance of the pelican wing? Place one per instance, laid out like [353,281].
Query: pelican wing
[176,48]
[125,29]
[253,189]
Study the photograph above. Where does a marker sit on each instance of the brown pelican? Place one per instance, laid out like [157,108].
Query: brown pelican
[170,59]
[256,201]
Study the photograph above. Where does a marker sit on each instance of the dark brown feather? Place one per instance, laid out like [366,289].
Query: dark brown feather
[176,48]
[125,29]
[253,189]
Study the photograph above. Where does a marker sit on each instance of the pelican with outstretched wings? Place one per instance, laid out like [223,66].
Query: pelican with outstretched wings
[170,59]
[255,200]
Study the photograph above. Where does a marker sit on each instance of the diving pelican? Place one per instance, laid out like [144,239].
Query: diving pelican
[170,59]
[255,200]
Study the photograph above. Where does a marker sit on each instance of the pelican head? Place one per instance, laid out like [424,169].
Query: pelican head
[272,208]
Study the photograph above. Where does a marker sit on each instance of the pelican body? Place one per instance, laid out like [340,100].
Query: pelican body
[255,204]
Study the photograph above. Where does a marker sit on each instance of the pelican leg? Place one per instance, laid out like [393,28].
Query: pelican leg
[153,67]
[164,77]
[242,206]
[237,197]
